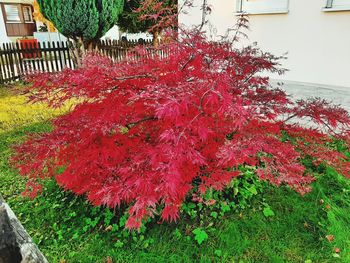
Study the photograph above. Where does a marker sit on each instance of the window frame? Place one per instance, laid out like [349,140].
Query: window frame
[239,9]
[30,13]
[6,16]
[330,7]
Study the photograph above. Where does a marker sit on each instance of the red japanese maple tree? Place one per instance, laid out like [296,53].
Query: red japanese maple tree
[147,128]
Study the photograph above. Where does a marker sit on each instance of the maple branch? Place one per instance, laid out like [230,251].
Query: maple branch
[142,76]
[331,130]
[188,125]
[135,77]
[241,23]
[149,118]
[205,94]
[204,14]
[188,61]
[291,117]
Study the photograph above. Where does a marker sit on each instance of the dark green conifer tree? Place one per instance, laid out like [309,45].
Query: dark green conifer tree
[134,22]
[83,21]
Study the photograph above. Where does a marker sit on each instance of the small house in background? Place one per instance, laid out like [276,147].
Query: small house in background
[16,20]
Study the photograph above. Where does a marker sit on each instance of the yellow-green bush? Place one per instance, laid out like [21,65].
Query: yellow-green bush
[16,112]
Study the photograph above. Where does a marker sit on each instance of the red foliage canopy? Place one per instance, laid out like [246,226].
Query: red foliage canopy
[146,129]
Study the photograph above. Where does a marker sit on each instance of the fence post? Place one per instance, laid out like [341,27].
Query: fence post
[20,59]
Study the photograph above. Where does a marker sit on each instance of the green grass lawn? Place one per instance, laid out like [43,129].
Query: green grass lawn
[68,229]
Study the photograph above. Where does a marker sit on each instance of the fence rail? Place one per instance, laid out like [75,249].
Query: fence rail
[21,59]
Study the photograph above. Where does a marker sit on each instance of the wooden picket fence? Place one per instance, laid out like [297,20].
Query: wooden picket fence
[21,59]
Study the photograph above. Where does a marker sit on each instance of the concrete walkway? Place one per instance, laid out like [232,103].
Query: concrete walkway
[300,90]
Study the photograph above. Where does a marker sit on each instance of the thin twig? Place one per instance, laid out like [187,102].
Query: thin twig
[131,77]
[204,14]
[132,124]
[135,77]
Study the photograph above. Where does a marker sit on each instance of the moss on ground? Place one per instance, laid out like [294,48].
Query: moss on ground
[15,111]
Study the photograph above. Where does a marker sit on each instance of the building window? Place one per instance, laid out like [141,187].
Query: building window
[262,6]
[12,13]
[27,14]
[337,5]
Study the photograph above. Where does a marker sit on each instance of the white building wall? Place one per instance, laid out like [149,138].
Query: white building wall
[3,34]
[317,42]
[18,1]
[49,37]
[114,34]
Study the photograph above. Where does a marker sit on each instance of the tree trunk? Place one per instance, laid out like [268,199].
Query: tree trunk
[77,49]
[156,38]
[91,45]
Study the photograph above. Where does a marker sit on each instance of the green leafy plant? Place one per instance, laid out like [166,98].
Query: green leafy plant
[268,212]
[200,235]
[311,218]
[218,252]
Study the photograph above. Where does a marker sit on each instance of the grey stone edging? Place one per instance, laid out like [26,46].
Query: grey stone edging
[15,243]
